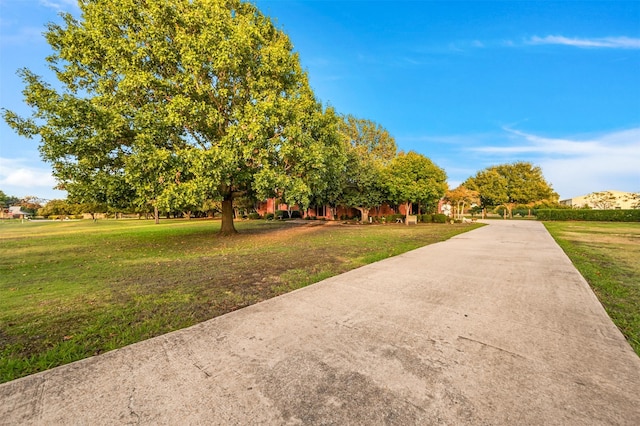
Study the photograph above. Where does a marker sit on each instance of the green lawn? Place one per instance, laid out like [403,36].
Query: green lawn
[607,254]
[70,290]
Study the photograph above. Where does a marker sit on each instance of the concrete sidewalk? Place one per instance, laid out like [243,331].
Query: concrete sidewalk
[493,327]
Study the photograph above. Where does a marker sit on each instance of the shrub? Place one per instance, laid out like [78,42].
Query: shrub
[426,218]
[254,216]
[520,212]
[269,216]
[590,215]
[296,214]
[282,214]
[391,218]
[440,218]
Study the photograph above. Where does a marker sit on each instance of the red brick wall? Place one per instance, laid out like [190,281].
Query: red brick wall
[270,206]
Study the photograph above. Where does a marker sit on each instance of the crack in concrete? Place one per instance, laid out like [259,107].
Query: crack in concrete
[39,398]
[203,369]
[132,411]
[517,355]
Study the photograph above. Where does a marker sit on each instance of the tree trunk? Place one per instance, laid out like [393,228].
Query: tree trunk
[156,214]
[227,227]
[407,212]
[364,212]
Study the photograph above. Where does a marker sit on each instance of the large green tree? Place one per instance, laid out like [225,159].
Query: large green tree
[323,186]
[328,190]
[511,184]
[414,178]
[174,102]
[369,148]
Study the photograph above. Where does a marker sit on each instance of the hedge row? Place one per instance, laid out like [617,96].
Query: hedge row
[422,218]
[592,215]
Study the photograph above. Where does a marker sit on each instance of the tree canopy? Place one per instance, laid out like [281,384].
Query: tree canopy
[174,103]
[511,184]
[8,200]
[413,178]
[461,197]
[369,148]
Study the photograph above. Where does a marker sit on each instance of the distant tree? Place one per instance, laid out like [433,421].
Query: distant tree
[211,207]
[369,148]
[461,197]
[329,190]
[92,208]
[311,170]
[213,85]
[413,178]
[491,187]
[8,200]
[511,184]
[243,206]
[59,208]
[3,199]
[30,204]
[369,139]
[604,200]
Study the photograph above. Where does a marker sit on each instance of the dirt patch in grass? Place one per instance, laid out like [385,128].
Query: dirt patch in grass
[603,238]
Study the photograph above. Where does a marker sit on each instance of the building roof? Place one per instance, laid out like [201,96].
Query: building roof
[17,210]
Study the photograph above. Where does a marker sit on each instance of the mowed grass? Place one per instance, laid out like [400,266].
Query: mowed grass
[608,256]
[70,290]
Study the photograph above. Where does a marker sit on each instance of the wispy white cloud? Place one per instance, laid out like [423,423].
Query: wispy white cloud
[23,36]
[458,140]
[65,5]
[19,176]
[576,166]
[16,33]
[605,42]
[541,145]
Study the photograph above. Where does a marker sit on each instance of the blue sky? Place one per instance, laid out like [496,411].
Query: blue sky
[468,84]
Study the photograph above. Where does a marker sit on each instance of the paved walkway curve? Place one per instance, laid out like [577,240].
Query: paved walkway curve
[493,327]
